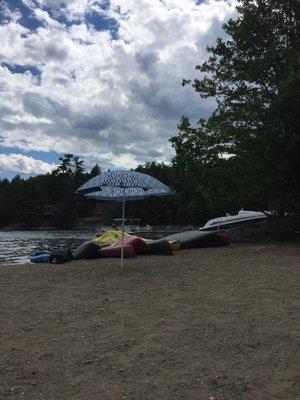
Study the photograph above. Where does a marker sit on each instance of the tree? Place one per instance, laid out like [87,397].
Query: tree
[96,170]
[78,167]
[65,166]
[6,211]
[70,165]
[157,211]
[247,151]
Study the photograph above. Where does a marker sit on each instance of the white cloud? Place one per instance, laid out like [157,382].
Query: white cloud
[117,100]
[20,164]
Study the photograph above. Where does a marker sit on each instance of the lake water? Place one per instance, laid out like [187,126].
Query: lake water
[18,246]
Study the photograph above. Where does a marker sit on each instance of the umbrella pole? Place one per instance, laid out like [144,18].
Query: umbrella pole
[123,221]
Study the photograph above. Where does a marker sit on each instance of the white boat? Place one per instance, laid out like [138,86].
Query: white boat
[130,225]
[230,221]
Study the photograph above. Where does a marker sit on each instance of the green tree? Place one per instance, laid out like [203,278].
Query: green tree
[25,201]
[6,210]
[96,170]
[155,211]
[247,152]
[78,166]
[70,165]
[65,166]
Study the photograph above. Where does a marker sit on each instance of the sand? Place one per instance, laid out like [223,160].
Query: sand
[205,324]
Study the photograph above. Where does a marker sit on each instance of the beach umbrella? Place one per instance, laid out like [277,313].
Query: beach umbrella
[123,186]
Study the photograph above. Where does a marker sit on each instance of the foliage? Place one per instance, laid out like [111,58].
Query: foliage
[246,153]
[50,200]
[282,228]
[27,202]
[96,170]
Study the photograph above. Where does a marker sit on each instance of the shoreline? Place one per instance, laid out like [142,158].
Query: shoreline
[51,228]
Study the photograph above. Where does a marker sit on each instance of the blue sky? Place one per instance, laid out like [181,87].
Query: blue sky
[98,78]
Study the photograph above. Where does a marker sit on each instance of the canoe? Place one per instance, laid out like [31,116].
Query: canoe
[138,244]
[115,251]
[197,239]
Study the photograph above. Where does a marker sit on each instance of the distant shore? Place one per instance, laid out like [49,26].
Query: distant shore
[205,323]
[35,228]
[99,227]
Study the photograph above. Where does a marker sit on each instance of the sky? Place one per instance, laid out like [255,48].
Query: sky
[100,79]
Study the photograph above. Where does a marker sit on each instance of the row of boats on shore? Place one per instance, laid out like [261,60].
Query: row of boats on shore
[117,243]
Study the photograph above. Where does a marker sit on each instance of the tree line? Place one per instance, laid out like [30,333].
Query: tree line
[244,155]
[50,199]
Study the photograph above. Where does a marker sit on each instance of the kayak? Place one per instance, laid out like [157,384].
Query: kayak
[40,258]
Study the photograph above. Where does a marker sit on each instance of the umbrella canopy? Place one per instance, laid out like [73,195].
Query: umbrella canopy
[123,186]
[112,185]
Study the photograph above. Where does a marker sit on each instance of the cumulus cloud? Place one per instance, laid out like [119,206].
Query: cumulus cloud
[20,164]
[107,97]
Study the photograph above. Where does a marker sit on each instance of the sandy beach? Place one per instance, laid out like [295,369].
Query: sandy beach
[205,324]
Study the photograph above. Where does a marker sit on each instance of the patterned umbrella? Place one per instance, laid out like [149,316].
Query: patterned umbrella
[123,186]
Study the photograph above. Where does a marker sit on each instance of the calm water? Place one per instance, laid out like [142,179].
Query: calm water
[17,247]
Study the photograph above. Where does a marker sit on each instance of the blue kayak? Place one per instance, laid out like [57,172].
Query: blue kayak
[40,258]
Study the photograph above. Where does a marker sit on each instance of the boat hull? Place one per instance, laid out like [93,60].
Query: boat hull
[232,224]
